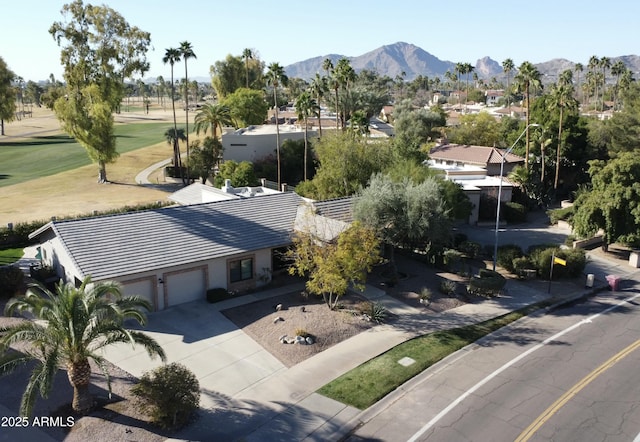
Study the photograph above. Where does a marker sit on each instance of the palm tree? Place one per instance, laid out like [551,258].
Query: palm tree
[528,77]
[306,107]
[345,75]
[617,69]
[459,69]
[578,69]
[69,329]
[508,67]
[594,62]
[275,77]
[186,50]
[173,137]
[468,68]
[172,56]
[562,98]
[214,116]
[318,88]
[604,63]
[247,54]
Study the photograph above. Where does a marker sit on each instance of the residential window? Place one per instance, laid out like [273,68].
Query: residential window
[241,270]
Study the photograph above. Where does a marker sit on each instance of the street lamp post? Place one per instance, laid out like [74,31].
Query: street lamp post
[495,245]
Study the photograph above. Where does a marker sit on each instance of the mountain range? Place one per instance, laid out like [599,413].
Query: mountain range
[394,59]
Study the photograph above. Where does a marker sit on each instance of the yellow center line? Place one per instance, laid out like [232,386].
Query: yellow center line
[553,408]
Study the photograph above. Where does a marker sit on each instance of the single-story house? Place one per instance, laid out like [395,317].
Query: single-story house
[256,142]
[174,255]
[198,193]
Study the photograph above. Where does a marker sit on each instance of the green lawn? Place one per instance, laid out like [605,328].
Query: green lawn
[9,256]
[48,155]
[368,383]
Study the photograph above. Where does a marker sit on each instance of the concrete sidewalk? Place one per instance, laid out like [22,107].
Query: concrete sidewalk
[284,406]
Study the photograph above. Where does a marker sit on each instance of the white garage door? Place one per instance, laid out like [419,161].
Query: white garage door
[142,288]
[185,286]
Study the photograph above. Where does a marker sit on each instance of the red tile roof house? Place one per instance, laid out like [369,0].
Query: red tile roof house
[477,169]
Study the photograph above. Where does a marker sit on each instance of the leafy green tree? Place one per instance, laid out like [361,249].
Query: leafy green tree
[346,164]
[414,128]
[613,204]
[241,174]
[7,95]
[213,116]
[100,50]
[170,393]
[70,328]
[479,129]
[246,106]
[230,74]
[528,78]
[331,268]
[275,78]
[405,214]
[205,157]
[33,92]
[306,107]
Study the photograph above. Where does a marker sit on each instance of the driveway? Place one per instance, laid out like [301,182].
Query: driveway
[196,334]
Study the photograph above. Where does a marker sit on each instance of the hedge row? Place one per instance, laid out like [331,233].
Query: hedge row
[512,258]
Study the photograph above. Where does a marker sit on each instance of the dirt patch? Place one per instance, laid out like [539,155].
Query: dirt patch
[266,325]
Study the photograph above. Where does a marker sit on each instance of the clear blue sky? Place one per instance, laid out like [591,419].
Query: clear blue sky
[286,32]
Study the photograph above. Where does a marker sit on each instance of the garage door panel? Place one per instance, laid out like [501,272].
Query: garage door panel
[142,288]
[185,286]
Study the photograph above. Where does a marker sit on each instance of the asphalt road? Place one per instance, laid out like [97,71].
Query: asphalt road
[568,375]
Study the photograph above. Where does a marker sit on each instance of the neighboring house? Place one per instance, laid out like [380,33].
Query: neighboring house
[386,114]
[476,169]
[174,255]
[198,193]
[486,157]
[493,97]
[256,142]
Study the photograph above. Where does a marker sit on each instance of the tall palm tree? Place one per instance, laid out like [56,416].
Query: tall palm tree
[468,68]
[276,77]
[306,107]
[172,56]
[594,62]
[604,63]
[578,69]
[508,67]
[318,88]
[562,99]
[212,115]
[345,75]
[186,51]
[617,69]
[247,54]
[69,329]
[459,69]
[527,78]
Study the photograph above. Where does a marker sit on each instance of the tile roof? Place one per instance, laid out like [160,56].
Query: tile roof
[479,155]
[339,209]
[124,244]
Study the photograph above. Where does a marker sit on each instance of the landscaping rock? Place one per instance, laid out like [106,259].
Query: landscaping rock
[309,340]
[278,319]
[278,307]
[300,340]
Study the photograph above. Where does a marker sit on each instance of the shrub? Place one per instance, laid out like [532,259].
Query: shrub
[487,283]
[301,332]
[447,287]
[514,212]
[458,239]
[521,264]
[506,255]
[11,281]
[564,214]
[170,394]
[452,259]
[575,258]
[470,248]
[378,312]
[426,294]
[217,294]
